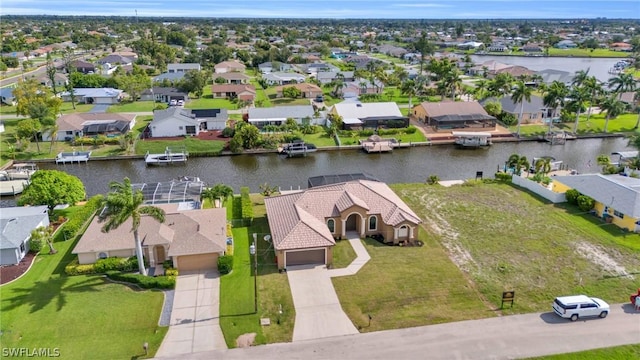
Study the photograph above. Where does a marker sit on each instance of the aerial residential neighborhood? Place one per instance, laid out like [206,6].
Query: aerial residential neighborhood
[281,180]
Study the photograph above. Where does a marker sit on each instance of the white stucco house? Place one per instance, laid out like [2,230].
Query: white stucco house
[16,224]
[176,121]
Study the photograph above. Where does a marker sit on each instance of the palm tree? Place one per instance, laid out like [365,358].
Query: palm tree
[122,204]
[579,78]
[521,93]
[636,104]
[53,134]
[594,88]
[218,192]
[409,88]
[480,92]
[554,97]
[338,84]
[424,47]
[518,163]
[613,107]
[452,81]
[543,166]
[622,83]
[500,85]
[578,97]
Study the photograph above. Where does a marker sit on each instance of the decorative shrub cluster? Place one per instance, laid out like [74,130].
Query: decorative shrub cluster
[225,264]
[246,206]
[145,282]
[71,228]
[503,177]
[102,266]
[584,202]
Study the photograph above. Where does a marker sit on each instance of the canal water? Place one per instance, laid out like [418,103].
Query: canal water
[403,165]
[598,67]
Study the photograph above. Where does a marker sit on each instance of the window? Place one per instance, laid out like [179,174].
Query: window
[618,214]
[589,305]
[332,225]
[373,223]
[191,130]
[102,255]
[22,248]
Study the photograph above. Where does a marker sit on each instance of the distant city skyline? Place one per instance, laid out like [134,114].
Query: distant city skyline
[336,9]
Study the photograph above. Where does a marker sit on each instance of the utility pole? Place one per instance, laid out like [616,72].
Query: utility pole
[253,250]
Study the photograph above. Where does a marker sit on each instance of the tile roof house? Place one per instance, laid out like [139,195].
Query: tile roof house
[244,92]
[308,91]
[75,125]
[368,115]
[182,67]
[232,78]
[84,67]
[192,239]
[283,78]
[229,66]
[278,115]
[617,197]
[177,121]
[445,116]
[115,59]
[551,75]
[304,225]
[16,224]
[163,94]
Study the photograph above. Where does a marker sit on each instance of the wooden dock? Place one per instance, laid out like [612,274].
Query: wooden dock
[73,157]
[376,144]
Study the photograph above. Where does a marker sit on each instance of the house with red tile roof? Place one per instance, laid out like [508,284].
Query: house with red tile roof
[305,225]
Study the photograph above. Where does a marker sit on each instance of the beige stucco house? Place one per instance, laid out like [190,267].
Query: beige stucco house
[192,239]
[305,225]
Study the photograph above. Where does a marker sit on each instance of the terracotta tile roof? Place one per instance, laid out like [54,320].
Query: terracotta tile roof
[186,233]
[298,220]
[233,88]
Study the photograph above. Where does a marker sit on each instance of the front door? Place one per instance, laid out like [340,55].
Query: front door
[160,255]
[352,223]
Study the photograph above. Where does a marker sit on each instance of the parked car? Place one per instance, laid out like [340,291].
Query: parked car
[180,102]
[578,306]
[173,102]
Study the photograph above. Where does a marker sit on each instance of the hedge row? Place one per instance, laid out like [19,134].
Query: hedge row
[71,227]
[102,266]
[245,201]
[145,282]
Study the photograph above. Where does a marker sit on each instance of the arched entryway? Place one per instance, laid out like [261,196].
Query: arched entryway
[353,223]
[160,254]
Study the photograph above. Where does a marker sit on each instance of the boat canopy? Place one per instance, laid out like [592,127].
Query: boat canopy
[470,134]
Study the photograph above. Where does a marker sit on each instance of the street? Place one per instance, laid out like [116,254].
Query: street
[507,337]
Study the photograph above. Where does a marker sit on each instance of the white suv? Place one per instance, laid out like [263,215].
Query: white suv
[577,306]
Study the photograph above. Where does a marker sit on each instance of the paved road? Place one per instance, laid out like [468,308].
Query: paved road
[506,337]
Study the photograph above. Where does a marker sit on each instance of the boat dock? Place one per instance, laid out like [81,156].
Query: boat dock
[168,157]
[10,187]
[376,144]
[471,139]
[297,148]
[73,157]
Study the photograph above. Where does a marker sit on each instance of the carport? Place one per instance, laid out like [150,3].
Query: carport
[305,257]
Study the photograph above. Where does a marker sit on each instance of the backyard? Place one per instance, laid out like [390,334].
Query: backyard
[82,316]
[595,125]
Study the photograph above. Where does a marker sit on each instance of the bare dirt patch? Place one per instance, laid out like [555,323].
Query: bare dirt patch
[245,340]
[11,272]
[598,256]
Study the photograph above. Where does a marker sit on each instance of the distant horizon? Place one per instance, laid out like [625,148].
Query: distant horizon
[334,9]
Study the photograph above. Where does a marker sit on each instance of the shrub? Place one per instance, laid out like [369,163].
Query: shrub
[225,264]
[585,203]
[167,264]
[504,177]
[145,282]
[508,118]
[433,179]
[572,196]
[171,272]
[76,269]
[395,124]
[365,132]
[410,130]
[115,263]
[35,245]
[228,132]
[71,227]
[383,132]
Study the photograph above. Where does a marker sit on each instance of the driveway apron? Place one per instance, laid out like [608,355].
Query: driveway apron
[318,310]
[195,325]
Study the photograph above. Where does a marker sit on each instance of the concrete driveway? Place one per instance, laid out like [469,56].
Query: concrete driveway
[195,325]
[318,310]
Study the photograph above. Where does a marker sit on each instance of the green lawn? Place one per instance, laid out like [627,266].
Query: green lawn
[595,125]
[343,254]
[624,352]
[417,136]
[319,139]
[193,146]
[138,106]
[66,108]
[587,53]
[289,102]
[262,99]
[237,315]
[82,316]
[392,59]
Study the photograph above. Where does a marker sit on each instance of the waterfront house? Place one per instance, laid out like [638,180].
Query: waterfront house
[16,224]
[94,95]
[191,239]
[357,115]
[533,111]
[75,125]
[278,115]
[550,75]
[445,116]
[176,121]
[305,225]
[565,44]
[617,197]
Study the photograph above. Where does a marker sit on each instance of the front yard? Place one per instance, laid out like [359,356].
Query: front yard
[85,317]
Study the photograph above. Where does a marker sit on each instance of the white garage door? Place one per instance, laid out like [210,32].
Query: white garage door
[305,257]
[198,262]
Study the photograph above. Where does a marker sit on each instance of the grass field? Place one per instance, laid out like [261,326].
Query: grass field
[319,139]
[613,353]
[82,316]
[343,254]
[138,106]
[595,125]
[192,145]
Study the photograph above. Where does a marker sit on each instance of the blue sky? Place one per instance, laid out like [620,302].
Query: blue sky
[375,9]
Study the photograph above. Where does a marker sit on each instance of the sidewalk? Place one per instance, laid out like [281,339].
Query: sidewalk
[362,257]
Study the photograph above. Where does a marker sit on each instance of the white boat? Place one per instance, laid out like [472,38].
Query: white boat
[297,148]
[168,157]
[471,139]
[22,171]
[10,187]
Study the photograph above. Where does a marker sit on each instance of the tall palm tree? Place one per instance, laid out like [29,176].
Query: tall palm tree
[409,88]
[578,96]
[613,107]
[554,98]
[520,94]
[480,92]
[53,134]
[518,163]
[218,192]
[122,204]
[501,85]
[594,87]
[452,81]
[636,103]
[424,47]
[579,78]
[622,83]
